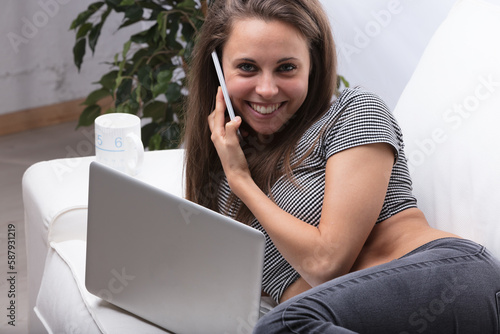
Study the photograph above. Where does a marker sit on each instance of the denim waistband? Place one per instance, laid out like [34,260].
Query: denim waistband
[465,246]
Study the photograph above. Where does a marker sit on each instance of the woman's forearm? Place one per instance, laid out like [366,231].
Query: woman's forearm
[301,244]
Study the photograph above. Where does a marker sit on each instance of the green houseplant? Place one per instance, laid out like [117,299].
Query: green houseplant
[147,77]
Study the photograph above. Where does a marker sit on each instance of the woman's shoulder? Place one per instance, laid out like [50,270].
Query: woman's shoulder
[358,97]
[354,103]
[355,117]
[353,107]
[359,116]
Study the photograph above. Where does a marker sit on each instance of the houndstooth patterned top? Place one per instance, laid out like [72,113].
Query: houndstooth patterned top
[356,117]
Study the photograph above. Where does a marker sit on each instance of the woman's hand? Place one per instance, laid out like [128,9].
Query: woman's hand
[226,141]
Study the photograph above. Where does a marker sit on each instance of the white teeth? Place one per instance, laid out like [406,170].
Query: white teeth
[265,110]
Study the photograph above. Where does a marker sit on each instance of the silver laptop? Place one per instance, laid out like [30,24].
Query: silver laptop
[170,261]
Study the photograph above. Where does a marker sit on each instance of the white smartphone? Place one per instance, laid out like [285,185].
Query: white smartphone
[222,82]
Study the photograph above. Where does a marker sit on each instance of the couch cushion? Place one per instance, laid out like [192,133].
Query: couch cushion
[64,305]
[450,114]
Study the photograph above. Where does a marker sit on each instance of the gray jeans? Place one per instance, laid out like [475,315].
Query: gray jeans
[446,286]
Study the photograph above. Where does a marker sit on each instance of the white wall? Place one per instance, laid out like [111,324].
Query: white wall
[379,44]
[36,53]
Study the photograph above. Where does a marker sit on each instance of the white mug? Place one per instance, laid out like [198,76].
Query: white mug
[118,142]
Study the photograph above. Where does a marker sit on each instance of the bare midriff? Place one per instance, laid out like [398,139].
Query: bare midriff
[389,240]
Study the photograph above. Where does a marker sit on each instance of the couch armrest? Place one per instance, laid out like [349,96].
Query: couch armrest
[55,196]
[49,189]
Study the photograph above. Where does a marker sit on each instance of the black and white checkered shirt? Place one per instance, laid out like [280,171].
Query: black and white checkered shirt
[356,118]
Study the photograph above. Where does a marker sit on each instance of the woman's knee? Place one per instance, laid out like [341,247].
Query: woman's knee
[297,316]
[270,323]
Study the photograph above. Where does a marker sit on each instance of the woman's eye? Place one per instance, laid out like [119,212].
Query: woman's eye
[246,67]
[287,68]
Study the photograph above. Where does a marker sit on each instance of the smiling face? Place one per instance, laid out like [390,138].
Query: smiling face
[266,67]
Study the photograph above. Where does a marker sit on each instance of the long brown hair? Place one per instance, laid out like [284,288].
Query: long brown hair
[203,169]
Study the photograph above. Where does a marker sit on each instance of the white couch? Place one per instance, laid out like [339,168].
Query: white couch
[450,115]
[449,112]
[55,199]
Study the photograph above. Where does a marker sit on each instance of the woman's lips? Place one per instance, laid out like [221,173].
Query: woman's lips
[265,109]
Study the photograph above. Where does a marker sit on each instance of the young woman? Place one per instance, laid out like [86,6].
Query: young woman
[325,178]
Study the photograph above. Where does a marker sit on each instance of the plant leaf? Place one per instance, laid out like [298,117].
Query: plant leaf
[108,80]
[173,92]
[115,4]
[144,75]
[133,104]
[147,131]
[110,110]
[187,4]
[144,36]
[173,28]
[95,6]
[83,30]
[123,91]
[155,110]
[88,115]
[123,108]
[126,47]
[129,23]
[140,55]
[162,24]
[187,31]
[81,19]
[94,34]
[150,5]
[154,142]
[79,52]
[129,107]
[134,13]
[85,15]
[95,96]
[341,80]
[163,80]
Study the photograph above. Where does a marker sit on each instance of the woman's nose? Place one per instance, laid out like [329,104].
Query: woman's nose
[266,86]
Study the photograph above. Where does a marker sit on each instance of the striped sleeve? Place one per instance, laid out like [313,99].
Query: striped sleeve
[364,119]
